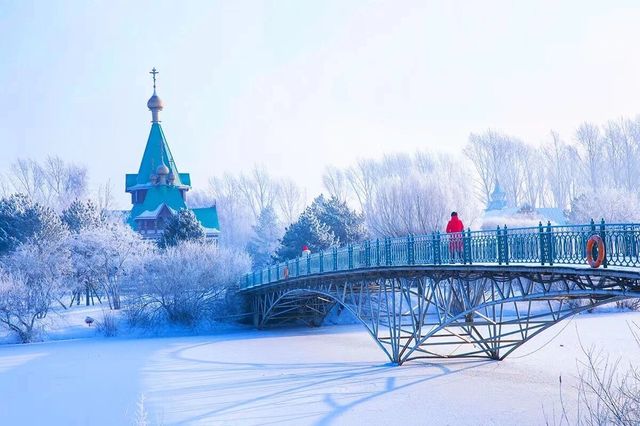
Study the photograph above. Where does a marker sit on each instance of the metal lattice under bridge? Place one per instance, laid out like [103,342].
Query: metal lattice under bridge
[473,294]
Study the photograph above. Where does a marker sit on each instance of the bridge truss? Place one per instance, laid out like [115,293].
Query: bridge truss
[445,311]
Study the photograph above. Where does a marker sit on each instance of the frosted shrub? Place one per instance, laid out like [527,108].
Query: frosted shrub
[30,281]
[632,304]
[608,391]
[108,326]
[188,281]
[21,306]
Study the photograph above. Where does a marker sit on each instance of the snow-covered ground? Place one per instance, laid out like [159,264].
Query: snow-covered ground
[329,375]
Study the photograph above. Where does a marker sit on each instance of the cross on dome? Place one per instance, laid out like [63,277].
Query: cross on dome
[154,103]
[154,72]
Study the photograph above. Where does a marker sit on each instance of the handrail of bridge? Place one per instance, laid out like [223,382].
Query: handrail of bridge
[544,245]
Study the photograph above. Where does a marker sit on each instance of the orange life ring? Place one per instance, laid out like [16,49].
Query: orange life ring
[595,239]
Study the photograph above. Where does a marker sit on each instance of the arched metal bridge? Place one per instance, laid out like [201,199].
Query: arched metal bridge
[473,294]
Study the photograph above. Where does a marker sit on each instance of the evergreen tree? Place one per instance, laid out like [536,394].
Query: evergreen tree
[307,231]
[22,220]
[347,225]
[182,226]
[264,243]
[81,215]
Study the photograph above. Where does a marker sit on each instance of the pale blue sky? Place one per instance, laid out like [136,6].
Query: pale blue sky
[297,85]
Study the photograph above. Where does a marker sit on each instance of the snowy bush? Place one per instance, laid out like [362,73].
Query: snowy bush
[608,391]
[632,304]
[21,305]
[186,282]
[108,325]
[31,279]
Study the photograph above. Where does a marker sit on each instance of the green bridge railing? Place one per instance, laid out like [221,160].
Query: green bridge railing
[543,245]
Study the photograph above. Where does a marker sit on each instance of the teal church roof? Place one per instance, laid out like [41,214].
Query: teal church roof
[156,153]
[208,217]
[155,197]
[158,186]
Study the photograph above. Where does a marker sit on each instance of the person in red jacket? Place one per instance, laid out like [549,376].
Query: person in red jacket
[455,227]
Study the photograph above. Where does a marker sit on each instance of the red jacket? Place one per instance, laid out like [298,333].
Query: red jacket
[455,225]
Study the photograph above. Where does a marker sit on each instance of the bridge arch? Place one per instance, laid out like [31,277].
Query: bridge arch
[448,312]
[269,313]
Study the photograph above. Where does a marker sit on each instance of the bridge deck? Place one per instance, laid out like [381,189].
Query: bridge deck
[631,273]
[543,247]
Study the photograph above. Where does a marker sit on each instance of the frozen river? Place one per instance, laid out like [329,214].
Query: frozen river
[329,375]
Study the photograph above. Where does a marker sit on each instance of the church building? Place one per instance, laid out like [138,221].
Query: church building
[159,190]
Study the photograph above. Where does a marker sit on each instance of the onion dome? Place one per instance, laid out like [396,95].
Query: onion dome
[162,170]
[155,102]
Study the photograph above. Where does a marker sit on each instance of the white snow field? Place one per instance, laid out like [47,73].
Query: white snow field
[328,375]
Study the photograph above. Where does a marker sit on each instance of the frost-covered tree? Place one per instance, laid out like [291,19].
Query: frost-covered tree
[533,178]
[52,182]
[104,197]
[499,157]
[610,204]
[182,226]
[31,279]
[290,201]
[266,240]
[185,283]
[346,225]
[306,231]
[336,183]
[236,217]
[402,194]
[108,254]
[259,189]
[414,205]
[363,179]
[81,215]
[589,138]
[241,199]
[22,220]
